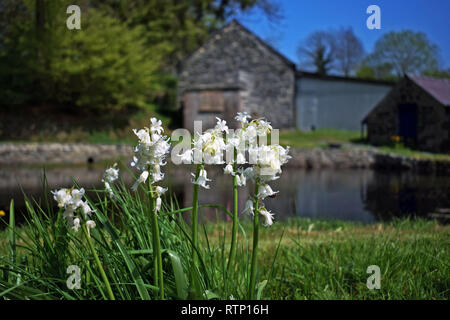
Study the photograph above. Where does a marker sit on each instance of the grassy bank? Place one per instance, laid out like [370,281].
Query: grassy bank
[329,260]
[73,126]
[317,138]
[407,152]
[322,138]
[310,259]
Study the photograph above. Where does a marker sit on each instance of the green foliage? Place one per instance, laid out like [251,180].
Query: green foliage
[444,74]
[302,258]
[403,52]
[16,54]
[378,72]
[118,260]
[125,54]
[104,65]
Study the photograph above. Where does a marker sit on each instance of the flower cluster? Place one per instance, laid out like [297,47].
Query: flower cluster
[265,160]
[72,202]
[207,148]
[150,153]
[211,144]
[111,175]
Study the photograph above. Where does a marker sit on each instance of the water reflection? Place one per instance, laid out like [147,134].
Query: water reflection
[355,195]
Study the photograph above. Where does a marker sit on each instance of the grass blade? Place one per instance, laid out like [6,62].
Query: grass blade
[180,279]
[130,264]
[260,287]
[11,234]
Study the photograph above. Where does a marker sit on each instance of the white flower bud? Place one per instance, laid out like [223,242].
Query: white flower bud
[76,224]
[90,224]
[158,204]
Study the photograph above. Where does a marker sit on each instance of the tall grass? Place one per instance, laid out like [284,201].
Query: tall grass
[117,261]
[297,259]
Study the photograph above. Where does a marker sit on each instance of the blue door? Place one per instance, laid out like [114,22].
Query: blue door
[407,123]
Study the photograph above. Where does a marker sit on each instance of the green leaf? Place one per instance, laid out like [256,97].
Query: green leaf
[130,264]
[209,295]
[260,287]
[180,279]
[11,234]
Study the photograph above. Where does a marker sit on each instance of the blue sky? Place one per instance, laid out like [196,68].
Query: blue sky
[301,17]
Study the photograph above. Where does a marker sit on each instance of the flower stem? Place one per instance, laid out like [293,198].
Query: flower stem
[99,264]
[195,215]
[235,216]
[254,262]
[157,258]
[195,281]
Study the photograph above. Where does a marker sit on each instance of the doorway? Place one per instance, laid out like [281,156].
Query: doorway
[407,123]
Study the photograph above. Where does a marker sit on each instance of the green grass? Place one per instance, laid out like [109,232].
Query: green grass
[323,137]
[126,135]
[317,138]
[330,260]
[300,258]
[407,152]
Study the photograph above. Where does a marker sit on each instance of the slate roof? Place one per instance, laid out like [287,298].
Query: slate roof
[307,74]
[437,88]
[236,23]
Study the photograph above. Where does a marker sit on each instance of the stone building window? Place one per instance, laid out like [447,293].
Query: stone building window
[210,101]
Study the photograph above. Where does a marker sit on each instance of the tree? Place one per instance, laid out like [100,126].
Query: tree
[318,51]
[348,51]
[378,72]
[339,50]
[441,73]
[406,51]
[15,51]
[182,26]
[104,65]
[126,52]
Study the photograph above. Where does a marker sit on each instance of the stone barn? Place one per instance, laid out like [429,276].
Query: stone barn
[417,109]
[234,71]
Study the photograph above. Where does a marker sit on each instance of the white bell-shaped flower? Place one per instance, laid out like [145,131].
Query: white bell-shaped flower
[248,207]
[142,179]
[202,179]
[265,191]
[228,169]
[268,217]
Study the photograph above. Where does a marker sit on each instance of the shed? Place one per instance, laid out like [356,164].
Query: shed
[327,101]
[417,110]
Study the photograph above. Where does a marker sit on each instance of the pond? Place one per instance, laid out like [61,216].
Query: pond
[361,195]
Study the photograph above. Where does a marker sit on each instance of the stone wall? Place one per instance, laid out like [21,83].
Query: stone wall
[433,126]
[12,154]
[235,59]
[362,157]
[344,157]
